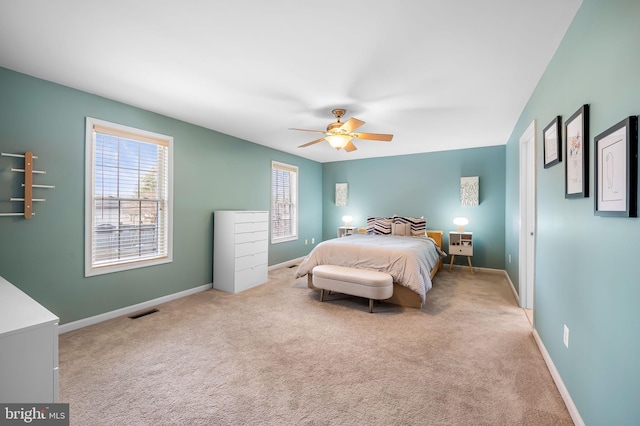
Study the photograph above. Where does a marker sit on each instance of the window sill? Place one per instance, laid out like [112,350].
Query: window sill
[283,240]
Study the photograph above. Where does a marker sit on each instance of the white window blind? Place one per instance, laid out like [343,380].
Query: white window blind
[284,198]
[130,198]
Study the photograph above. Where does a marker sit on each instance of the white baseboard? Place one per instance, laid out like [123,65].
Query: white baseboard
[573,410]
[286,264]
[475,268]
[65,328]
[571,407]
[513,288]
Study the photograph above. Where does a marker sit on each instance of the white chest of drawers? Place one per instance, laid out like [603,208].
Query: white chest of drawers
[28,348]
[240,249]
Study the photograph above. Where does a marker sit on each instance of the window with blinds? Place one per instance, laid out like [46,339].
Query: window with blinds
[129,198]
[284,199]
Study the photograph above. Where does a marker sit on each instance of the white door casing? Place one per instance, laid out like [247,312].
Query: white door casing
[526,256]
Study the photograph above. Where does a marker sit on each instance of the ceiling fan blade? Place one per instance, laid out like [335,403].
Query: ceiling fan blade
[312,131]
[374,136]
[350,147]
[351,124]
[311,143]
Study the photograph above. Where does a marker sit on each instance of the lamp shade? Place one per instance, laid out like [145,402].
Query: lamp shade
[460,222]
[347,219]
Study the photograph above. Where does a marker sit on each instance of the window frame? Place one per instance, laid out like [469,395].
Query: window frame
[291,168]
[90,184]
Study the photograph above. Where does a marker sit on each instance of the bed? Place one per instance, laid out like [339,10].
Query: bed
[411,260]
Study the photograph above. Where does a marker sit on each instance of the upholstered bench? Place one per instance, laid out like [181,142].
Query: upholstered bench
[374,285]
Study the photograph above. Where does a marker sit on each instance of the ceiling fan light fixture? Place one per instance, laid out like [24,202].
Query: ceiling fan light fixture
[340,135]
[338,141]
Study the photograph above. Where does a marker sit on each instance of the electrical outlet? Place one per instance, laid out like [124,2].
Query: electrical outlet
[313,241]
[566,336]
[306,242]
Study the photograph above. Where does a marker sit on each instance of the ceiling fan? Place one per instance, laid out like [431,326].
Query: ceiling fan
[340,135]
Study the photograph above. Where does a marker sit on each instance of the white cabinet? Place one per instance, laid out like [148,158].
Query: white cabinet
[344,231]
[28,348]
[461,243]
[240,249]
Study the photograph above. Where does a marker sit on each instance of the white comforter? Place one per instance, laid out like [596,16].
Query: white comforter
[408,260]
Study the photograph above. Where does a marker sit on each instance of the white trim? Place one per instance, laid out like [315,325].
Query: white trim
[527,200]
[283,239]
[571,407]
[475,268]
[573,410]
[286,264]
[494,271]
[513,288]
[89,167]
[64,328]
[557,379]
[294,194]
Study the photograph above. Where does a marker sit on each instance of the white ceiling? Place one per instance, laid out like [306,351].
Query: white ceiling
[437,74]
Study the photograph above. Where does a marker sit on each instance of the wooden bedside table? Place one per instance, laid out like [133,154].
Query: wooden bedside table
[461,243]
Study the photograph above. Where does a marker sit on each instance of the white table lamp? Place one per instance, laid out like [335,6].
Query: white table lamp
[347,220]
[460,222]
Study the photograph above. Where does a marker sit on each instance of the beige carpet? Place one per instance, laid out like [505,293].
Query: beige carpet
[275,355]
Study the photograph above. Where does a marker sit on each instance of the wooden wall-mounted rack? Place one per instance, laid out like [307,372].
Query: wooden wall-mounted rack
[28,184]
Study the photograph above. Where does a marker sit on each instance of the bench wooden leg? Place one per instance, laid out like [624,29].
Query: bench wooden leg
[370,305]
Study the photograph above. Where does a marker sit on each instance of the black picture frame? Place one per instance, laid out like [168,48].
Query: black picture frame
[576,145]
[616,170]
[552,143]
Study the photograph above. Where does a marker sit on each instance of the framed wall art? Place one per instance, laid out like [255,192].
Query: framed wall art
[552,143]
[576,142]
[342,192]
[470,191]
[616,170]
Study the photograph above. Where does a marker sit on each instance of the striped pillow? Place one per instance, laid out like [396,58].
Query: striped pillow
[401,229]
[379,225]
[418,224]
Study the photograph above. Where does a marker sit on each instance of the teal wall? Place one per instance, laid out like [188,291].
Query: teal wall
[586,271]
[44,256]
[424,185]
